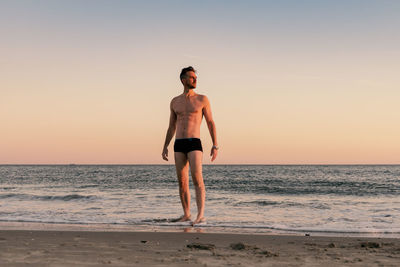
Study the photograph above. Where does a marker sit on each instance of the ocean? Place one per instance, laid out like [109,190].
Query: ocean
[360,200]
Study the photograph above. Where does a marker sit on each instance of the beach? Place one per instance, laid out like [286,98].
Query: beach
[192,248]
[265,215]
[199,133]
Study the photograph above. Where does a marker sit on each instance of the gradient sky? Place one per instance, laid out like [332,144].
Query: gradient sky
[290,82]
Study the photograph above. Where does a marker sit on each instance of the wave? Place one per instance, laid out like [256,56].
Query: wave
[262,185]
[258,203]
[47,197]
[283,204]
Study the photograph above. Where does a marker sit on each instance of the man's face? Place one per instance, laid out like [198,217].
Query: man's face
[190,79]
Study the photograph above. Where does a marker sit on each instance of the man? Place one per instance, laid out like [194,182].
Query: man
[187,111]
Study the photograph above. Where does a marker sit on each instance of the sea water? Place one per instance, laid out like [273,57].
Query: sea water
[318,199]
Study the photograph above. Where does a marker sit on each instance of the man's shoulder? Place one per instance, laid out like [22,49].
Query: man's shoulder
[175,98]
[202,97]
[175,102]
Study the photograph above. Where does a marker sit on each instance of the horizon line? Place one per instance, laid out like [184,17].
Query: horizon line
[208,164]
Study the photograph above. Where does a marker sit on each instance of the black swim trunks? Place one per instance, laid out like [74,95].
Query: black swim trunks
[186,145]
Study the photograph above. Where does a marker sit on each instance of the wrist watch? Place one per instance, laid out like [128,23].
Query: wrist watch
[215,147]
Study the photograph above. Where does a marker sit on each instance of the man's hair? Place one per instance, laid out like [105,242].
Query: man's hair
[184,70]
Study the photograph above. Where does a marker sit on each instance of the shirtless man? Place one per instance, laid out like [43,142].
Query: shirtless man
[187,111]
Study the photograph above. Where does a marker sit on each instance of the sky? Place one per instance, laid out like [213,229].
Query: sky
[289,82]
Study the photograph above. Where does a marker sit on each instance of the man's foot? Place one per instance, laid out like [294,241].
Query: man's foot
[198,220]
[183,218]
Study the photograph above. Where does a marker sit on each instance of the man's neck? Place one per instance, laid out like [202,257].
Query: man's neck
[188,92]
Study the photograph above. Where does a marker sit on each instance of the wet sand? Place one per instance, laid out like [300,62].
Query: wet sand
[96,248]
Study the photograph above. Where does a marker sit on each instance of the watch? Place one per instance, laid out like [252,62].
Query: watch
[215,147]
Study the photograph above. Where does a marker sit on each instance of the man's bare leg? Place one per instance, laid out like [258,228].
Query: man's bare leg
[195,160]
[182,171]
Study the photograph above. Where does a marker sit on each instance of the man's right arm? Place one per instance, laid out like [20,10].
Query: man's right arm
[170,132]
[211,127]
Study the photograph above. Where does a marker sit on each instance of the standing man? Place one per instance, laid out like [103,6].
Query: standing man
[187,111]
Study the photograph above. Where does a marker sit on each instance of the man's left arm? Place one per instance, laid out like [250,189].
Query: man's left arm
[211,127]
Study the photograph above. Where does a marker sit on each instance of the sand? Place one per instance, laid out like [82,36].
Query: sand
[96,248]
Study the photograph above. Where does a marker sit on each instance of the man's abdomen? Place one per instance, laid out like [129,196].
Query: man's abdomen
[188,129]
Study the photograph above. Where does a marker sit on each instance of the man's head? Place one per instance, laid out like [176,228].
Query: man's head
[188,77]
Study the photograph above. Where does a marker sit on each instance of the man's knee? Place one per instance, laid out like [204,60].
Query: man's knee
[198,180]
[183,182]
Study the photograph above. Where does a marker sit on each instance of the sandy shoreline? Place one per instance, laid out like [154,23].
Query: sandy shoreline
[89,248]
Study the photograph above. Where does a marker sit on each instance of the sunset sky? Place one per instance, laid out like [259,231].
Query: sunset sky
[290,82]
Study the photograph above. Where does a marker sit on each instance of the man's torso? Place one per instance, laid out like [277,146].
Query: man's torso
[189,113]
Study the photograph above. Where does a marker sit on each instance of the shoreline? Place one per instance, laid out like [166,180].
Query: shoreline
[122,248]
[181,227]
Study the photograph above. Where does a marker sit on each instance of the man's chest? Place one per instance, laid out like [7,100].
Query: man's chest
[184,107]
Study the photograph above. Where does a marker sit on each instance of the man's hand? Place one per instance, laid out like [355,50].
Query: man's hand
[213,153]
[165,154]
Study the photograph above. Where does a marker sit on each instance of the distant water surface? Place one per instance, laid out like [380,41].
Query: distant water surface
[341,199]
